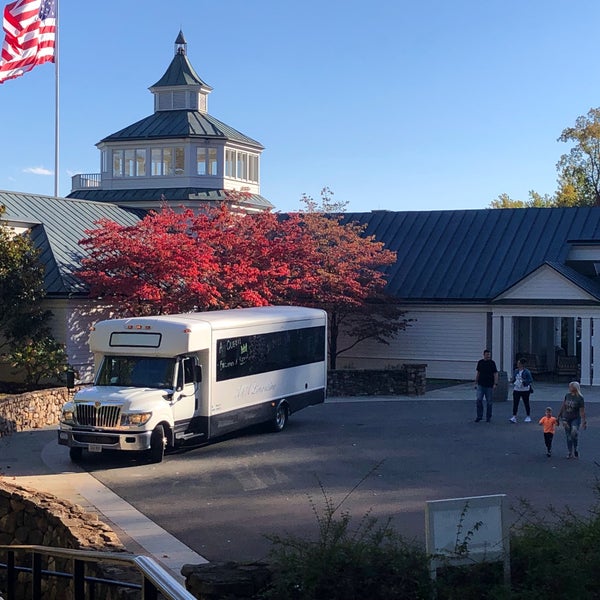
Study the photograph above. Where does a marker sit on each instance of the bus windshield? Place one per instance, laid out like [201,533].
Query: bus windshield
[137,371]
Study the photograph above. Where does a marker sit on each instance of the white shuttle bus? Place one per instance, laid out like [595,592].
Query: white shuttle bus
[161,381]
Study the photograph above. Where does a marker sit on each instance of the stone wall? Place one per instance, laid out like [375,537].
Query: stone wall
[31,410]
[31,517]
[409,380]
[226,581]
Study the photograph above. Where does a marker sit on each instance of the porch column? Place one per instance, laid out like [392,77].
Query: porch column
[557,332]
[507,346]
[595,352]
[497,340]
[586,351]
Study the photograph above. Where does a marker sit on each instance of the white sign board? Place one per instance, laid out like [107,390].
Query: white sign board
[466,530]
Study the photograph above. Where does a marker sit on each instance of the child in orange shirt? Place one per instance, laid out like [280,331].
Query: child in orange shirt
[549,423]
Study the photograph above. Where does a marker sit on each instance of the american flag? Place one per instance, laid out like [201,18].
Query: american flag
[30,33]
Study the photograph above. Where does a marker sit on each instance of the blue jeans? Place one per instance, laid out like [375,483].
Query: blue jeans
[487,393]
[572,433]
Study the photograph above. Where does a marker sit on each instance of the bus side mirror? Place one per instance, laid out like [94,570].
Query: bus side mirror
[198,370]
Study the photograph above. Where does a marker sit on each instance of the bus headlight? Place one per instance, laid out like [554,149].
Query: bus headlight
[135,419]
[68,416]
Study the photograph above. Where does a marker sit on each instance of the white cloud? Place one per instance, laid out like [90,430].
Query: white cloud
[38,171]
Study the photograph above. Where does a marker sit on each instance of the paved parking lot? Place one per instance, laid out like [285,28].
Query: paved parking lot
[222,499]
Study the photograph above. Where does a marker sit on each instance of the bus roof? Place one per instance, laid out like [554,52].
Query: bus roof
[239,317]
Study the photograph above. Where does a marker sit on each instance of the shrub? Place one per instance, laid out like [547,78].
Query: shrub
[369,560]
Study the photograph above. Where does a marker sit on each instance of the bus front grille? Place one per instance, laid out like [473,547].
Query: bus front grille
[101,416]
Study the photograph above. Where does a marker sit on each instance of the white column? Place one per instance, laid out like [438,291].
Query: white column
[497,340]
[586,351]
[507,346]
[572,336]
[595,352]
[557,332]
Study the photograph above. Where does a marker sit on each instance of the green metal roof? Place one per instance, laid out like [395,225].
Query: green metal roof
[57,226]
[180,72]
[180,124]
[168,194]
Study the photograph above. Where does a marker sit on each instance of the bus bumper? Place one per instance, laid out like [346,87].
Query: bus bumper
[97,441]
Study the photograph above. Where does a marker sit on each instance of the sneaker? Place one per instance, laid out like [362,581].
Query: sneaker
[548,454]
[527,419]
[576,454]
[513,419]
[477,419]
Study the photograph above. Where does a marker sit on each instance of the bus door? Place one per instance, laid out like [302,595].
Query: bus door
[187,399]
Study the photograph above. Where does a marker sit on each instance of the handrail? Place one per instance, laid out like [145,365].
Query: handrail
[155,578]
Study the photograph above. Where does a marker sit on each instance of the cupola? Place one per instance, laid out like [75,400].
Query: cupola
[180,88]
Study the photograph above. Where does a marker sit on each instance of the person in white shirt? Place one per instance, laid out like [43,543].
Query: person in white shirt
[522,390]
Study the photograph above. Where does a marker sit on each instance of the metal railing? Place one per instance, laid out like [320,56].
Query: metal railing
[83,181]
[154,579]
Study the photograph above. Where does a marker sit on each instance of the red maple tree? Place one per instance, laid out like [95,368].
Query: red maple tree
[180,261]
[349,278]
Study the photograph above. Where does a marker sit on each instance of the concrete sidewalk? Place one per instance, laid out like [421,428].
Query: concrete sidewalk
[34,459]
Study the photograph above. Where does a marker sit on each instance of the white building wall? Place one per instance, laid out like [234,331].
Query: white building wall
[71,324]
[450,341]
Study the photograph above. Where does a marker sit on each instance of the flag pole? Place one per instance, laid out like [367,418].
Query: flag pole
[56,99]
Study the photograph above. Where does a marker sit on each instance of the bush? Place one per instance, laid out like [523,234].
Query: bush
[347,563]
[559,558]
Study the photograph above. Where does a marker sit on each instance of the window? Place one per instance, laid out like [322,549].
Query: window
[201,160]
[212,161]
[137,371]
[179,161]
[156,162]
[140,162]
[129,163]
[167,161]
[229,163]
[242,165]
[104,161]
[117,163]
[255,354]
[206,161]
[253,168]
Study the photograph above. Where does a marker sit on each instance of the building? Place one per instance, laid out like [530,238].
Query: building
[179,155]
[522,282]
[56,225]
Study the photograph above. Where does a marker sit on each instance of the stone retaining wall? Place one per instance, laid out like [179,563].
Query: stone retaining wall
[31,410]
[409,380]
[31,517]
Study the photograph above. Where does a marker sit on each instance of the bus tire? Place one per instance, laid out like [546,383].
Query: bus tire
[76,454]
[282,414]
[157,445]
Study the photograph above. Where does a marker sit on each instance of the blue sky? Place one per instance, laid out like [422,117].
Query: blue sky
[392,104]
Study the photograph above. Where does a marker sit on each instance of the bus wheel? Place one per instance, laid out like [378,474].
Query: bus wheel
[75,454]
[280,419]
[157,445]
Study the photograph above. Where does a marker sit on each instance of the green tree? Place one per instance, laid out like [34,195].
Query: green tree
[25,336]
[578,182]
[579,169]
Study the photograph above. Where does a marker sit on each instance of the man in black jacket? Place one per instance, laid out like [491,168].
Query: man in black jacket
[486,380]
